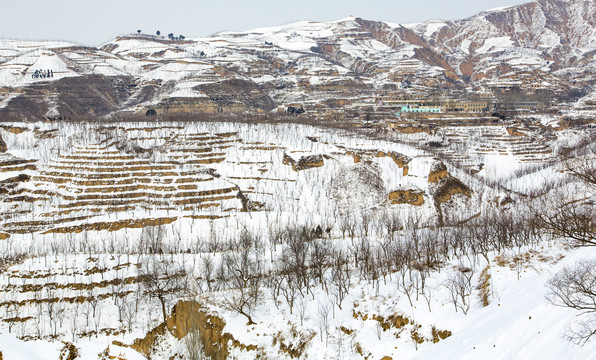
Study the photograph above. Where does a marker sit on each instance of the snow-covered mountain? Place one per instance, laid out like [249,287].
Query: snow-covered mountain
[546,42]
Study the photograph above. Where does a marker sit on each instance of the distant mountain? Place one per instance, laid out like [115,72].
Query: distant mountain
[551,43]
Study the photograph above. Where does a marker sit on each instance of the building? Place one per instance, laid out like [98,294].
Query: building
[466,106]
[418,109]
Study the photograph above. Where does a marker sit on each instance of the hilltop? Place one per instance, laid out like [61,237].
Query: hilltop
[546,46]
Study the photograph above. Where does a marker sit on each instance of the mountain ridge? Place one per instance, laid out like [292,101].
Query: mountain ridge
[311,63]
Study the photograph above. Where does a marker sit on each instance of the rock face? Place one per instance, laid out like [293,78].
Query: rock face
[2,145]
[448,187]
[8,185]
[402,161]
[513,131]
[188,316]
[89,95]
[303,162]
[412,196]
[443,186]
[437,172]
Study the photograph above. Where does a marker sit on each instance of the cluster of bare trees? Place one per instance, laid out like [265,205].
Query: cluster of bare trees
[301,259]
[291,262]
[295,261]
[575,287]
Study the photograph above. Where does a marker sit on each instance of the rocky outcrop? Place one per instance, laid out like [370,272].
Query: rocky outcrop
[14,129]
[81,96]
[112,226]
[303,162]
[186,317]
[8,185]
[400,159]
[413,129]
[504,201]
[513,131]
[68,351]
[2,145]
[438,171]
[410,195]
[443,187]
[448,187]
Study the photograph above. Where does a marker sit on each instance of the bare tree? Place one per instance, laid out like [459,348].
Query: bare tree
[571,220]
[340,277]
[575,219]
[244,275]
[584,170]
[290,288]
[323,319]
[151,241]
[162,279]
[129,314]
[320,255]
[575,287]
[295,257]
[460,288]
[207,268]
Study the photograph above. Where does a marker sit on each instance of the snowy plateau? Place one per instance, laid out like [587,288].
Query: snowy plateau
[256,195]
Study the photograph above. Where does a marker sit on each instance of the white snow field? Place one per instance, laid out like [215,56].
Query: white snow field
[294,241]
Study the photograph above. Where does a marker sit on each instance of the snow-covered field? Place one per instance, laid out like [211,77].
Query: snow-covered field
[297,241]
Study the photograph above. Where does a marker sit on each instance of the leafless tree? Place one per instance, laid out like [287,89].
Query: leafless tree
[340,277]
[323,319]
[290,289]
[244,275]
[207,268]
[404,282]
[460,288]
[129,314]
[366,220]
[571,220]
[347,224]
[575,219]
[575,287]
[320,255]
[295,256]
[152,240]
[583,169]
[162,279]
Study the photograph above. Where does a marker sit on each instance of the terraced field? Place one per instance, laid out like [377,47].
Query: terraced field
[97,186]
[85,207]
[103,222]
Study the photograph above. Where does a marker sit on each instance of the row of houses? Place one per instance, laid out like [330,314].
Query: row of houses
[445,107]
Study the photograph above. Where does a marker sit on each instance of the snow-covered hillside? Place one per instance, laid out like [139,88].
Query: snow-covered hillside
[282,241]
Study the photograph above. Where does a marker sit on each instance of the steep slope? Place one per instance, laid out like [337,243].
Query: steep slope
[542,36]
